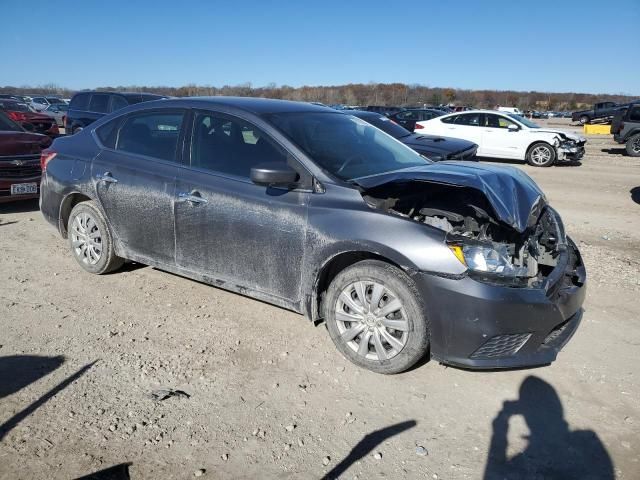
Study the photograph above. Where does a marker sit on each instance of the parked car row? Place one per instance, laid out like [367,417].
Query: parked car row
[321,212]
[23,114]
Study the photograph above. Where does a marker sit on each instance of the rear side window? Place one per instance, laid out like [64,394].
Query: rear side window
[99,103]
[108,133]
[470,119]
[450,119]
[151,134]
[634,114]
[80,101]
[117,102]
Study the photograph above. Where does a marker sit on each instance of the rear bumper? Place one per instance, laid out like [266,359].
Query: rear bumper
[477,325]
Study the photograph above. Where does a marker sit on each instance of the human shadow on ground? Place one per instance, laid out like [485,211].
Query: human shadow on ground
[17,372]
[635,194]
[614,151]
[117,472]
[554,452]
[366,445]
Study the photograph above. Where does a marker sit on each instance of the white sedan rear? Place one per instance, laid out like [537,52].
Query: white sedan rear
[507,135]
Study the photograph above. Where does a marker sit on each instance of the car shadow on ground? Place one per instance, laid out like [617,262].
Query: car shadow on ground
[614,151]
[117,472]
[19,371]
[554,451]
[635,194]
[563,163]
[22,206]
[366,445]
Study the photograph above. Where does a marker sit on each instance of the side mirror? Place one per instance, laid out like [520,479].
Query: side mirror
[512,128]
[29,127]
[276,174]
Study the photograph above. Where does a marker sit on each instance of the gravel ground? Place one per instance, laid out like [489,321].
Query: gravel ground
[270,397]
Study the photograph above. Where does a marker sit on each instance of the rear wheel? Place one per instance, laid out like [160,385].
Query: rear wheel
[541,154]
[375,318]
[633,145]
[90,240]
[584,119]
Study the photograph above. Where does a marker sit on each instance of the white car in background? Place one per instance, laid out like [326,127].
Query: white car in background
[507,135]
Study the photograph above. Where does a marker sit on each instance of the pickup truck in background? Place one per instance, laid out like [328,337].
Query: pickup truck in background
[626,128]
[600,111]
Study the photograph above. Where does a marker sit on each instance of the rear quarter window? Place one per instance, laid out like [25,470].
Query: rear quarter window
[80,101]
[108,133]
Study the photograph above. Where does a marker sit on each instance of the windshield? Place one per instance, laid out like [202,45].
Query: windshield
[346,146]
[8,125]
[15,107]
[524,121]
[387,125]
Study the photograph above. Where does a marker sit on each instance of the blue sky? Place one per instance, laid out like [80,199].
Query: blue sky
[562,45]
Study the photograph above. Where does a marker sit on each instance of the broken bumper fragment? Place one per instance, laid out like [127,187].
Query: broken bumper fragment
[571,151]
[479,325]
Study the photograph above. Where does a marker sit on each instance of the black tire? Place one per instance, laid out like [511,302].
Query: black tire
[633,145]
[404,289]
[533,155]
[584,119]
[98,257]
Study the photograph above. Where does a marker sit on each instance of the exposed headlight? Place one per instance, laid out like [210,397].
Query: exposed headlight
[492,259]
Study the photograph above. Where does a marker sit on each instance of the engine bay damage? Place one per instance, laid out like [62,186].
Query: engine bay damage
[492,250]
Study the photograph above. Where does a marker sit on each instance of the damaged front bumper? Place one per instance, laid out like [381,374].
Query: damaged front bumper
[480,325]
[570,151]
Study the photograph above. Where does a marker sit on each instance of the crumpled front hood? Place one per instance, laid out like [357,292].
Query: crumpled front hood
[514,196]
[562,133]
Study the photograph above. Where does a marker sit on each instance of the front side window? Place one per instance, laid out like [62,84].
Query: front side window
[634,115]
[498,121]
[80,101]
[117,102]
[99,103]
[344,145]
[230,145]
[150,134]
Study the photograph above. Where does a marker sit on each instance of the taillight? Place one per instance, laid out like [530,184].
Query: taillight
[45,157]
[418,127]
[17,116]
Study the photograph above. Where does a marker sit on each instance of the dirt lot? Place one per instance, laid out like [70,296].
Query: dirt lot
[270,397]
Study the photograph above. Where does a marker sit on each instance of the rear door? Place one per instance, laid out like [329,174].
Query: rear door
[229,228]
[465,126]
[135,176]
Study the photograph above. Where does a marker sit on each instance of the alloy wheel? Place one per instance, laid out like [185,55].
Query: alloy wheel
[86,239]
[635,146]
[540,155]
[371,320]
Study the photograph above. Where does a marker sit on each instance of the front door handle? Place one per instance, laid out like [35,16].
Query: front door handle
[106,177]
[191,197]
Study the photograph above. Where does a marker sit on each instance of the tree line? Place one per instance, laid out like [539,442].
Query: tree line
[360,94]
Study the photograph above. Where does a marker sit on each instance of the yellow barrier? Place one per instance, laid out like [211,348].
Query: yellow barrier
[597,129]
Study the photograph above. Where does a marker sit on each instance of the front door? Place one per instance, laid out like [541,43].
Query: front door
[229,228]
[135,181]
[498,140]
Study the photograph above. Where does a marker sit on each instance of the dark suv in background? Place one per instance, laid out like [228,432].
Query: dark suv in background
[87,107]
[626,128]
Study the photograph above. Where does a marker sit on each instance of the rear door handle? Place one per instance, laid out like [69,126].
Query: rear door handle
[191,197]
[106,177]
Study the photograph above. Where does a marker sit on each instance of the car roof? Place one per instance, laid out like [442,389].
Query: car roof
[125,94]
[254,105]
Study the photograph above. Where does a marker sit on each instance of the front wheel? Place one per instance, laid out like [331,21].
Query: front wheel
[633,145]
[90,240]
[541,154]
[375,317]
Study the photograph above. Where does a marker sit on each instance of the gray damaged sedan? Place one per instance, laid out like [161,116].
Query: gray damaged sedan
[321,213]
